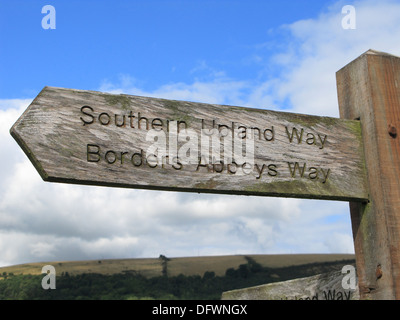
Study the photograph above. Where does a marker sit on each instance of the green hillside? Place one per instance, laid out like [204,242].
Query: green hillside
[151,267]
[163,277]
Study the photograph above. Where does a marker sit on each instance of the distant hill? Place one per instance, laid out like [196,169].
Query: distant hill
[163,278]
[188,266]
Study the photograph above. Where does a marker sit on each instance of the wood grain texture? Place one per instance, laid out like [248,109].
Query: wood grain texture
[94,138]
[369,90]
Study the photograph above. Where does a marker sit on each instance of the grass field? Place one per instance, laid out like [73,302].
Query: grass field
[150,267]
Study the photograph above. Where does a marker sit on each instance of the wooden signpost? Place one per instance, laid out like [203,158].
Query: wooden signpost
[95,138]
[369,90]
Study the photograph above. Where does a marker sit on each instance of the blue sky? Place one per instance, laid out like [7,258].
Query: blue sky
[280,55]
[154,42]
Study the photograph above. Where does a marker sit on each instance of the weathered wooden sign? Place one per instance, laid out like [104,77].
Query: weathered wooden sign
[94,138]
[325,286]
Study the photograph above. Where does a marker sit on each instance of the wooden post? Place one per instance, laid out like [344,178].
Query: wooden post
[369,90]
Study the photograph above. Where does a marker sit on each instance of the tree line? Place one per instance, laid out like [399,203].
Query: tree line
[134,286]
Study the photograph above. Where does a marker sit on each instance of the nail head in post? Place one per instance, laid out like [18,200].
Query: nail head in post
[378,271]
[392,131]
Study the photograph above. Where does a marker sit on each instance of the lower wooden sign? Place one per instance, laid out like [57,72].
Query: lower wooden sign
[326,286]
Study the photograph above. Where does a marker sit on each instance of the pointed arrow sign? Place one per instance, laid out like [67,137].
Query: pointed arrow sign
[94,138]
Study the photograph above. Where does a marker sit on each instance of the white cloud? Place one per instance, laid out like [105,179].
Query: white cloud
[219,89]
[42,249]
[340,242]
[319,47]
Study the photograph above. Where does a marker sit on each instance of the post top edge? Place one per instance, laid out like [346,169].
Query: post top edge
[370,52]
[379,53]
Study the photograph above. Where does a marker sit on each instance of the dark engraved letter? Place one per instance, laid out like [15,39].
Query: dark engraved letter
[271,135]
[311,139]
[253,131]
[131,116]
[95,154]
[177,165]
[218,166]
[272,170]
[151,163]
[231,166]
[111,159]
[296,166]
[184,124]
[157,124]
[294,131]
[143,118]
[107,117]
[122,157]
[139,156]
[120,124]
[313,173]
[85,122]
